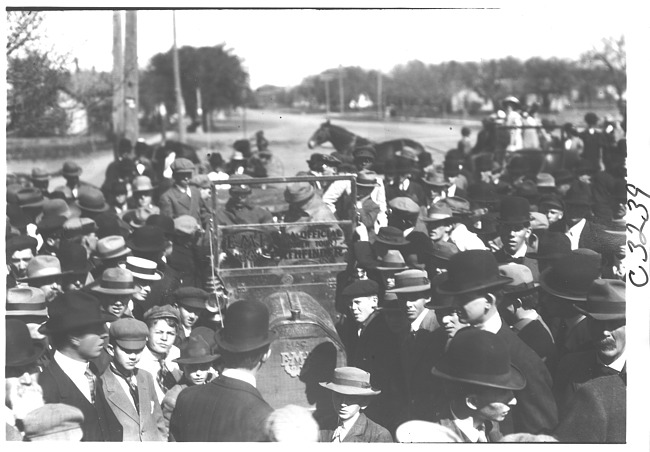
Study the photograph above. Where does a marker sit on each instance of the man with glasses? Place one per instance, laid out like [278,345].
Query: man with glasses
[181,198]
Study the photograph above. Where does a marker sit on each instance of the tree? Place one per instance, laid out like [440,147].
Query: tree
[94,90]
[22,30]
[547,77]
[610,56]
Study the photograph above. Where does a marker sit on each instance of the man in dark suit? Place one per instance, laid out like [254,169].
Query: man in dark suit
[605,311]
[77,331]
[473,281]
[130,391]
[181,198]
[230,408]
[404,215]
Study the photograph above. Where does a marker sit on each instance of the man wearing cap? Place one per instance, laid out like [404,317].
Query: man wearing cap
[519,310]
[183,199]
[372,346]
[352,391]
[474,284]
[158,356]
[130,391]
[196,363]
[20,249]
[481,381]
[605,312]
[592,385]
[22,391]
[230,408]
[77,330]
[44,272]
[191,303]
[404,215]
[238,208]
[514,232]
[413,290]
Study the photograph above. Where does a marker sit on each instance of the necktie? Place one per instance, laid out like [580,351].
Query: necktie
[133,387]
[91,383]
[165,378]
[336,437]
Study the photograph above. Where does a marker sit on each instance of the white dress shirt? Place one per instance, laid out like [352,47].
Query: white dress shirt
[241,375]
[618,363]
[467,427]
[574,233]
[493,324]
[345,426]
[76,371]
[150,363]
[415,324]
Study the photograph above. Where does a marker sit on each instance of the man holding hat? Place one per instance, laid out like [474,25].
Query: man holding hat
[129,391]
[474,284]
[77,329]
[351,394]
[183,199]
[481,381]
[238,208]
[230,408]
[22,391]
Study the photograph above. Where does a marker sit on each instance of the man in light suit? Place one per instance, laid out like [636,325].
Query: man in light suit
[130,391]
[183,199]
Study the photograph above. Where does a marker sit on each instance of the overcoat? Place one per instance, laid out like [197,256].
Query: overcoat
[175,203]
[148,425]
[363,431]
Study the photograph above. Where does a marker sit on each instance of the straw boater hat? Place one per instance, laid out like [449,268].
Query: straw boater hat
[142,268]
[350,381]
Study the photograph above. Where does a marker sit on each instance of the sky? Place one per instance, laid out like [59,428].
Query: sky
[282,47]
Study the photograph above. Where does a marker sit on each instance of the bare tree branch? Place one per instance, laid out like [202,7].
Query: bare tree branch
[22,29]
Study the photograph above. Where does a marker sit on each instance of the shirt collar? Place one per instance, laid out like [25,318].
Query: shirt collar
[493,324]
[347,424]
[415,324]
[617,365]
[408,231]
[577,228]
[467,427]
[70,366]
[521,252]
[240,375]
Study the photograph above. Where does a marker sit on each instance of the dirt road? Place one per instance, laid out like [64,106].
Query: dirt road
[287,135]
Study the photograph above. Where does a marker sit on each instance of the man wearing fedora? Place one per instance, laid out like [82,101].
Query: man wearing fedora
[44,272]
[305,205]
[230,408]
[196,362]
[110,251]
[115,291]
[605,312]
[352,391]
[192,303]
[182,199]
[91,202]
[564,286]
[481,381]
[22,391]
[82,231]
[77,329]
[514,232]
[129,391]
[321,165]
[371,345]
[474,284]
[28,305]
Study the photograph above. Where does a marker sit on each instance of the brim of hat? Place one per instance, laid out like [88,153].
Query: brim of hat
[103,318]
[543,277]
[76,173]
[38,351]
[101,289]
[131,344]
[520,292]
[403,241]
[197,360]
[350,390]
[133,246]
[501,281]
[389,269]
[157,276]
[411,289]
[28,279]
[113,256]
[87,209]
[433,305]
[22,312]
[194,304]
[436,220]
[239,348]
[516,382]
[601,316]
[360,184]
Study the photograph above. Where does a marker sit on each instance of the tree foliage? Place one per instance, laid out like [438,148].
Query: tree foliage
[216,71]
[610,58]
[22,30]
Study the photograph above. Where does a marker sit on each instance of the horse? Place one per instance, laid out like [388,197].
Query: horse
[345,142]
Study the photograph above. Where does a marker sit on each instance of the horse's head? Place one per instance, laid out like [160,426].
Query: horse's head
[322,135]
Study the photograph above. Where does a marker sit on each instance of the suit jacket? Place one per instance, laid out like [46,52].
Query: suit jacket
[100,424]
[175,203]
[363,431]
[536,411]
[225,409]
[148,425]
[575,369]
[596,413]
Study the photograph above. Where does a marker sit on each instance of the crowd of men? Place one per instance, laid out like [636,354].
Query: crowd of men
[483,300]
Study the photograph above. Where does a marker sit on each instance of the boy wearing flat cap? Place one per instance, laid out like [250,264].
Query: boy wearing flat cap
[130,391]
[230,408]
[351,394]
[480,380]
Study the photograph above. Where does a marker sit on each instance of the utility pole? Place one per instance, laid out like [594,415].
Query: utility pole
[341,96]
[131,75]
[180,106]
[118,81]
[327,77]
[380,110]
